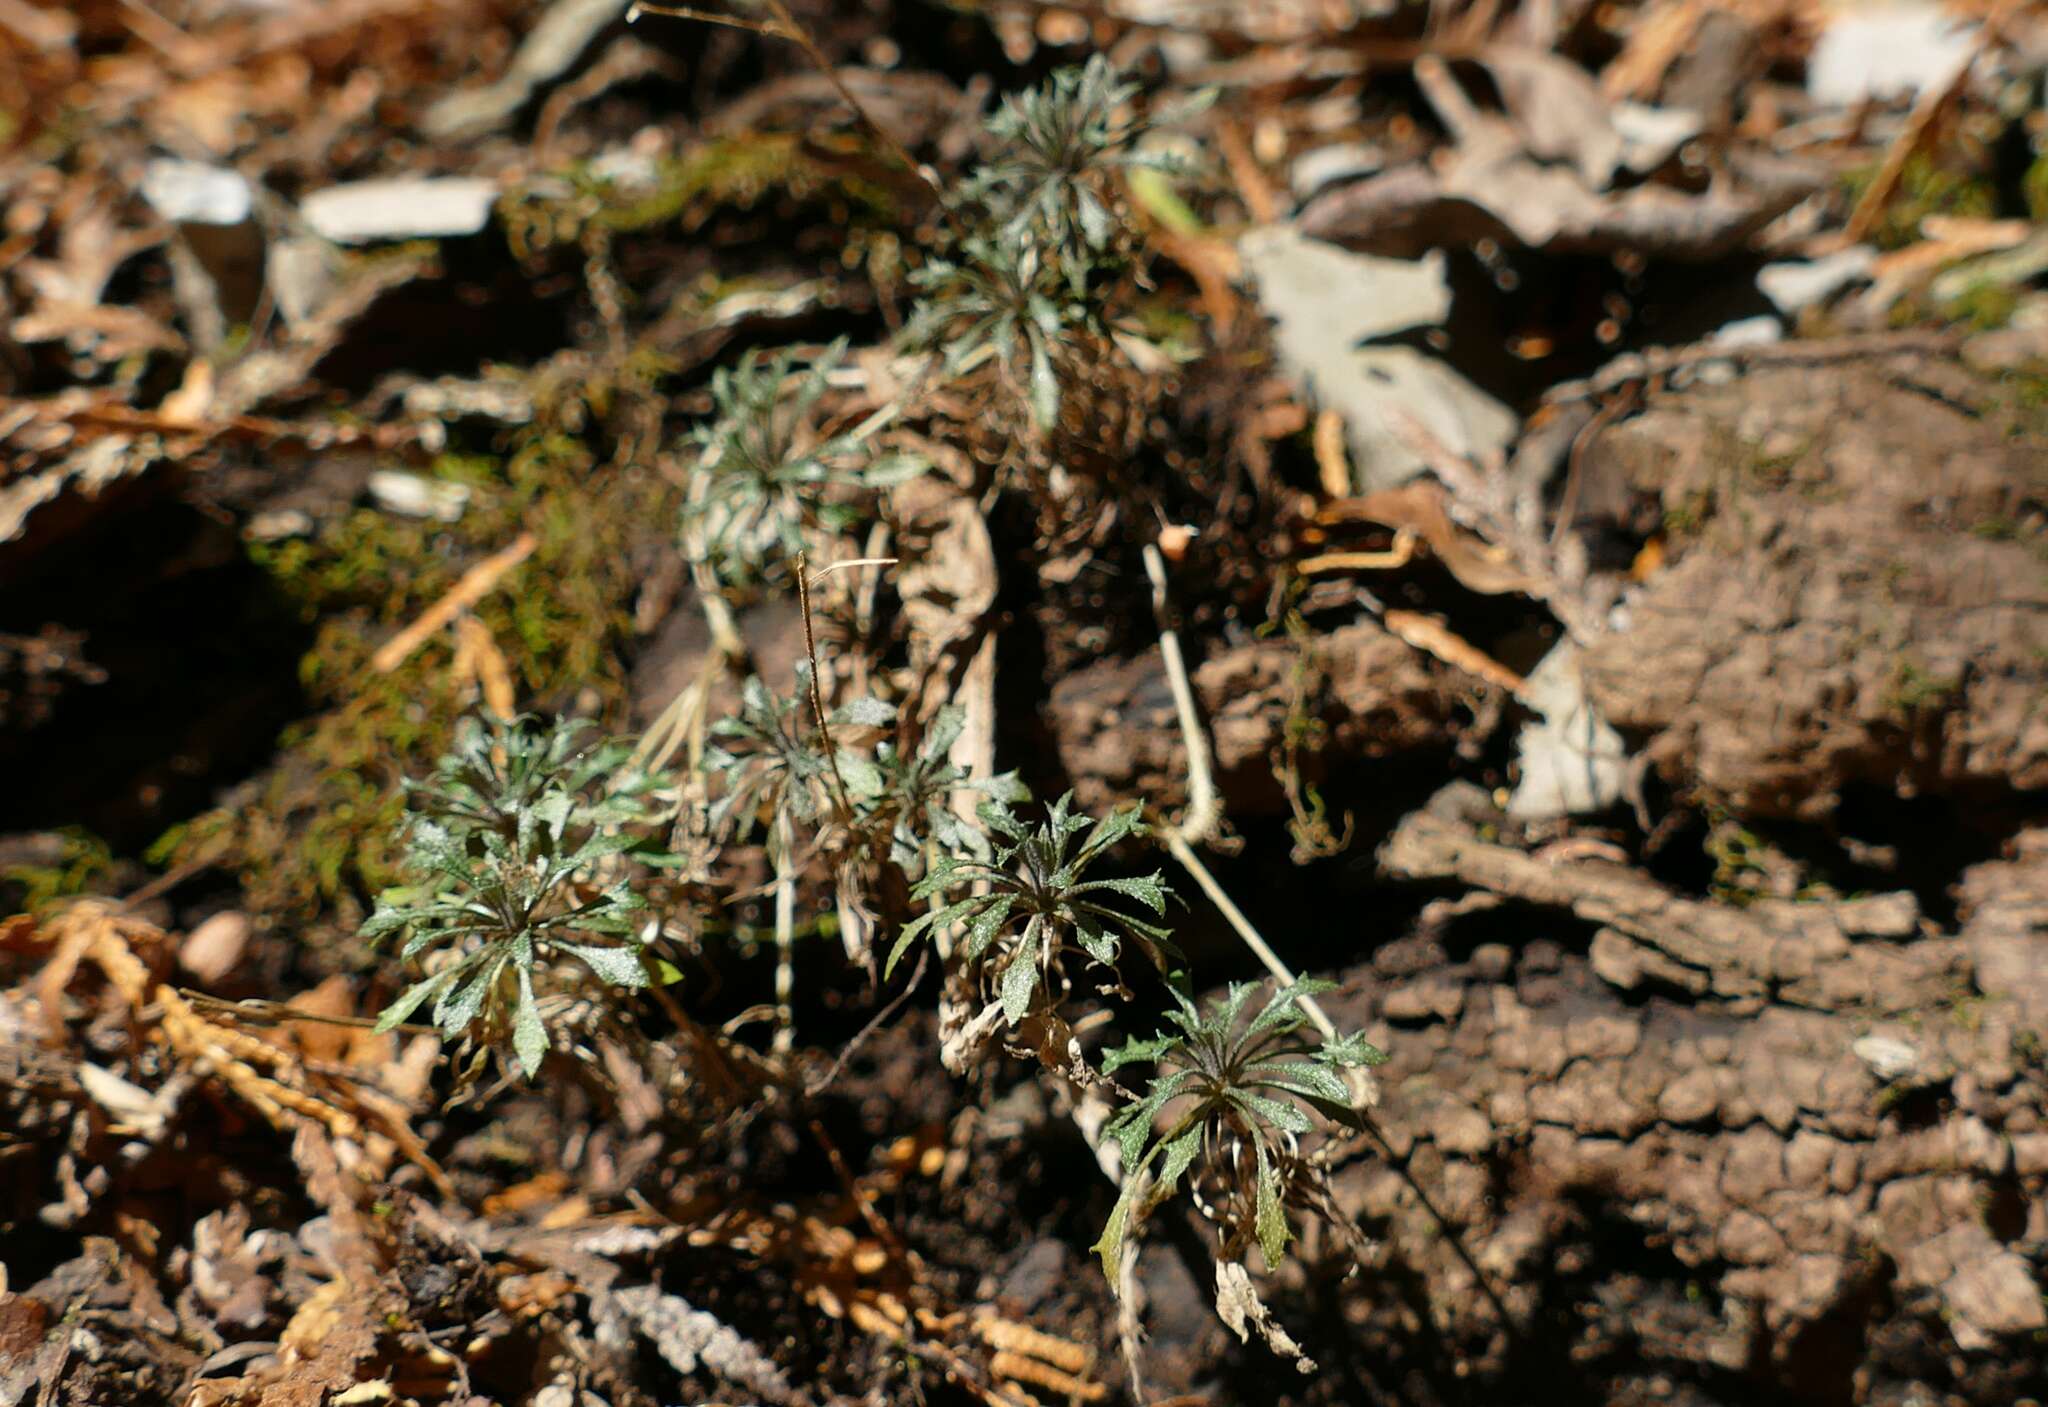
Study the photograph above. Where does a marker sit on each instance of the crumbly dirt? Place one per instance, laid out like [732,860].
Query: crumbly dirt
[1854,588]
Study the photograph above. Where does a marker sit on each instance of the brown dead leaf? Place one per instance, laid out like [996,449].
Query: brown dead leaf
[328,1341]
[1418,506]
[1658,36]
[1947,239]
[1429,634]
[545,1188]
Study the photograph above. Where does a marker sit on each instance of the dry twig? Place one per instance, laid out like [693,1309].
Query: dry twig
[476,583]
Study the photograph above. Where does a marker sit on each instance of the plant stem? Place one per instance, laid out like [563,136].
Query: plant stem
[781,846]
[1205,806]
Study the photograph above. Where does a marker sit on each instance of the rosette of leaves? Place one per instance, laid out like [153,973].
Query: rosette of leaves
[1039,904]
[1224,1085]
[770,763]
[1057,148]
[509,846]
[766,475]
[1004,298]
[909,799]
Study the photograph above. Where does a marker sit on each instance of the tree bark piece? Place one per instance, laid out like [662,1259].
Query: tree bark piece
[1803,1120]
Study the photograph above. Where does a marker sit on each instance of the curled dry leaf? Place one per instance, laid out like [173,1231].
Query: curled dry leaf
[1239,1306]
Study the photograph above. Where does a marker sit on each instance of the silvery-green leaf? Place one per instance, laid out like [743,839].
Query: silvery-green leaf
[1097,224]
[1137,1050]
[1353,1049]
[1109,1246]
[412,997]
[1284,1009]
[621,967]
[1146,889]
[529,1037]
[1097,944]
[1302,1077]
[1179,1154]
[1045,387]
[1019,982]
[457,1008]
[866,713]
[986,924]
[861,776]
[1279,1114]
[1269,1220]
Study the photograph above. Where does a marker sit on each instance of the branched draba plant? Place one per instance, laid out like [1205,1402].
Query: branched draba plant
[1059,146]
[766,476]
[1038,905]
[909,801]
[1045,240]
[529,835]
[510,845]
[1001,298]
[1224,1087]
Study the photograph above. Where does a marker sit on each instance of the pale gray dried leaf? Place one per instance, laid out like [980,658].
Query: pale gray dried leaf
[1319,168]
[131,1107]
[1876,52]
[1239,1306]
[196,193]
[1495,191]
[963,1037]
[1324,302]
[565,31]
[1795,285]
[1557,110]
[406,207]
[1651,136]
[687,1337]
[1571,759]
[213,947]
[414,496]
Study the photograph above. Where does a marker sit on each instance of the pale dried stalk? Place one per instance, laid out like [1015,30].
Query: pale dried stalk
[1432,636]
[782,848]
[682,721]
[476,583]
[1205,806]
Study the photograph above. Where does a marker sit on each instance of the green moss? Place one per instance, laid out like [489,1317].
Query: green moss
[82,858]
[1913,689]
[2034,189]
[2029,1048]
[1930,184]
[1689,516]
[1986,307]
[1740,868]
[317,835]
[739,170]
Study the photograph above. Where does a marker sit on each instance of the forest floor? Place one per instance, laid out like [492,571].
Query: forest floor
[1542,510]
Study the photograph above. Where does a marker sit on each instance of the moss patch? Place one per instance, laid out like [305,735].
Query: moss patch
[315,834]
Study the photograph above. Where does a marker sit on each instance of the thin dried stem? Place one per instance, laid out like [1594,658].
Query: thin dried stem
[1205,806]
[684,12]
[476,583]
[803,597]
[782,845]
[784,25]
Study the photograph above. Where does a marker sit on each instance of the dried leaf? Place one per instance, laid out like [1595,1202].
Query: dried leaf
[1325,301]
[1239,1306]
[687,1337]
